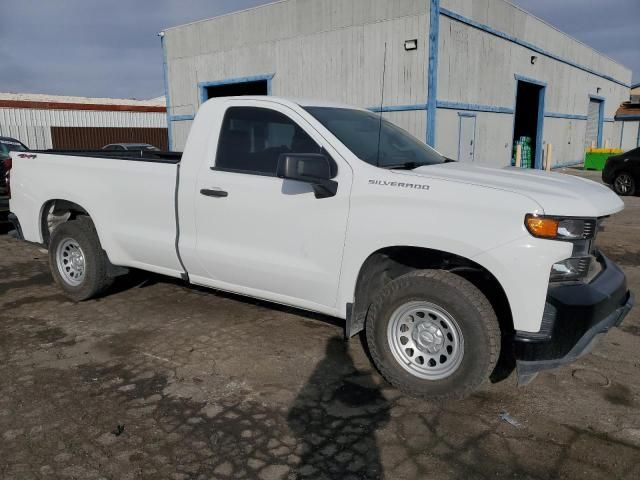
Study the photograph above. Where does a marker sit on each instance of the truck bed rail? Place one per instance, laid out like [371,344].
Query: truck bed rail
[134,155]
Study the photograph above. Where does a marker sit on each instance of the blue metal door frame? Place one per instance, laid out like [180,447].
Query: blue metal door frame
[540,125]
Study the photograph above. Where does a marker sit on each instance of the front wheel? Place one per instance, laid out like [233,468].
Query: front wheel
[624,184]
[78,263]
[433,334]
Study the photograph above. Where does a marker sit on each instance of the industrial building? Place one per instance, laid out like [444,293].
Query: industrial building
[467,77]
[52,121]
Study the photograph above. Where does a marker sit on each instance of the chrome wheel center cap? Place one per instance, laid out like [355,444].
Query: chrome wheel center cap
[428,337]
[76,259]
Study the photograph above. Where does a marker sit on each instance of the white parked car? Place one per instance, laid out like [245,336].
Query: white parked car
[334,210]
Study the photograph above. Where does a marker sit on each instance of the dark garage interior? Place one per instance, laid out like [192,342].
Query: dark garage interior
[258,87]
[529,106]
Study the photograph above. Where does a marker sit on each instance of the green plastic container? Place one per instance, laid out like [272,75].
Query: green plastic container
[595,158]
[525,160]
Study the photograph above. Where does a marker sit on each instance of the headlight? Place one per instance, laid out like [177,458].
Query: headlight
[581,232]
[559,228]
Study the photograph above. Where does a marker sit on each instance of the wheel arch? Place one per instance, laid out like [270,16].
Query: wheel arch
[388,263]
[63,211]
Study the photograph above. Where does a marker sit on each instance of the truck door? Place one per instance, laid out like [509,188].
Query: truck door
[261,235]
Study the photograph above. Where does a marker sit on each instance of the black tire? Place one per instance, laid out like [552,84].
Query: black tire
[473,314]
[96,264]
[624,184]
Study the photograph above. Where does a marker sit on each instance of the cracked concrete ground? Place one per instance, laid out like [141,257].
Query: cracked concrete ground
[161,380]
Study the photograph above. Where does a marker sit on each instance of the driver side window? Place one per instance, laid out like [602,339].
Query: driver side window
[252,139]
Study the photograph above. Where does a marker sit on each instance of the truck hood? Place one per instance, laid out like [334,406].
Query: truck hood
[556,193]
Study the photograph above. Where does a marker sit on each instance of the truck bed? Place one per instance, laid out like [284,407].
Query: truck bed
[132,203]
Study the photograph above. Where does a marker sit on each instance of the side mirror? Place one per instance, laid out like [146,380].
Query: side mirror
[312,168]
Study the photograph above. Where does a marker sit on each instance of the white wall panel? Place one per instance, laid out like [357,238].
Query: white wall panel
[32,137]
[508,18]
[628,133]
[477,67]
[331,49]
[414,122]
[567,137]
[80,118]
[492,136]
[180,132]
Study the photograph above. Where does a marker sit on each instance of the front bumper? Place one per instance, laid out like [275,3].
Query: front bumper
[576,316]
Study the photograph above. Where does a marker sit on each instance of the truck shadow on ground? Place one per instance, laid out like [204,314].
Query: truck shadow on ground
[338,419]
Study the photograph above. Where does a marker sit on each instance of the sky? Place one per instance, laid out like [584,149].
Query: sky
[110,48]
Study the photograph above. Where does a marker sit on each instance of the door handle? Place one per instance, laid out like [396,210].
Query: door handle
[212,192]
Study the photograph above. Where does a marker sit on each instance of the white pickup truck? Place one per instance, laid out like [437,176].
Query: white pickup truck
[445,266]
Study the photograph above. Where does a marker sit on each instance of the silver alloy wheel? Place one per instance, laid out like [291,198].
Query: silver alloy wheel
[70,261]
[623,183]
[425,340]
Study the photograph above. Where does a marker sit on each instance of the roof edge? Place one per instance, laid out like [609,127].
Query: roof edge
[80,106]
[224,15]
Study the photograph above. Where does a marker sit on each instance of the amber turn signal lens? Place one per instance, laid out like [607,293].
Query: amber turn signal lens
[542,227]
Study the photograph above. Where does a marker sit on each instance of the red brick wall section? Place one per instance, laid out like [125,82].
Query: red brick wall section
[80,106]
[93,138]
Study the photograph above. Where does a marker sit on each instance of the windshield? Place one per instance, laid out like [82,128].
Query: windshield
[7,146]
[375,140]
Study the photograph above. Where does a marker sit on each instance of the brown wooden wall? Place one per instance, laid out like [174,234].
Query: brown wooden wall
[92,138]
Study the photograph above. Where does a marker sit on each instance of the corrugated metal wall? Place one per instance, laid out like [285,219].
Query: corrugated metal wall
[32,126]
[97,137]
[32,137]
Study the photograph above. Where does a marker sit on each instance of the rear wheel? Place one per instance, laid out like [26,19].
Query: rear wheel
[433,334]
[78,263]
[624,184]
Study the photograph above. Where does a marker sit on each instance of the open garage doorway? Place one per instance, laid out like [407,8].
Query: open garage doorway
[528,121]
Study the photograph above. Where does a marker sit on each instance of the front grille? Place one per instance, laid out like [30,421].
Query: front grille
[583,265]
[590,228]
